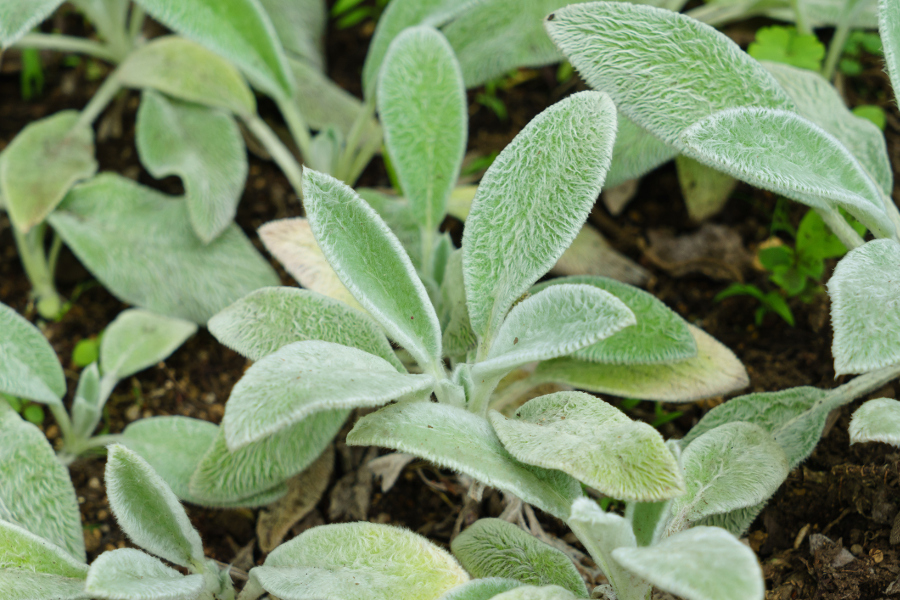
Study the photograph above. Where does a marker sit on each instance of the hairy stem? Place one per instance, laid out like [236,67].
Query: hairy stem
[297,126]
[861,385]
[135,22]
[841,228]
[38,270]
[99,101]
[280,154]
[800,17]
[65,43]
[345,163]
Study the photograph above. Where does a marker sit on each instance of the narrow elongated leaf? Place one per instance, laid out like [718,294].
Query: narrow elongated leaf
[37,493]
[457,439]
[636,152]
[138,339]
[497,548]
[204,147]
[660,335]
[268,319]
[422,104]
[876,421]
[17,17]
[301,27]
[889,28]
[166,269]
[28,364]
[398,215]
[26,585]
[595,443]
[128,574]
[148,511]
[783,152]
[367,256]
[866,325]
[481,589]
[359,561]
[41,164]
[555,166]
[21,549]
[239,30]
[714,371]
[702,563]
[87,408]
[304,378]
[555,322]
[186,70]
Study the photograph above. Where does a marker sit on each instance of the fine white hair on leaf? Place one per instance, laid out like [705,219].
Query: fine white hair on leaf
[876,421]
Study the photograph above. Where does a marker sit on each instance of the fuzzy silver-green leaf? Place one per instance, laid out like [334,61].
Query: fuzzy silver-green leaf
[28,364]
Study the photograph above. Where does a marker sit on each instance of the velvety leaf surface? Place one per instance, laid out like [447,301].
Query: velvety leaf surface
[186,70]
[595,443]
[148,511]
[304,378]
[129,574]
[714,371]
[555,166]
[889,28]
[28,364]
[702,563]
[37,493]
[481,589]
[863,289]
[167,268]
[23,550]
[370,261]
[41,164]
[659,336]
[398,215]
[17,17]
[705,190]
[238,30]
[876,421]
[87,408]
[204,148]
[497,548]
[26,585]
[423,109]
[300,25]
[138,339]
[455,438]
[636,152]
[268,319]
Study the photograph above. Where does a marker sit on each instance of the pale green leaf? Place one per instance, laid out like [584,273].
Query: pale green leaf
[28,364]
[423,110]
[481,589]
[705,190]
[300,25]
[265,320]
[660,335]
[359,561]
[556,321]
[238,30]
[204,147]
[635,153]
[18,17]
[876,421]
[37,493]
[554,167]
[458,338]
[497,548]
[41,164]
[595,443]
[457,439]
[531,592]
[783,152]
[304,378]
[166,268]
[703,563]
[21,549]
[148,511]
[370,261]
[828,13]
[26,585]
[647,520]
[736,522]
[186,70]
[138,339]
[713,372]
[398,215]
[863,290]
[90,396]
[889,28]
[129,574]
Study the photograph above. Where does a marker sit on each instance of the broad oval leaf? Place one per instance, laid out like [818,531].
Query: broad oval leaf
[595,443]
[304,378]
[359,561]
[28,364]
[457,439]
[138,339]
[148,511]
[702,563]
[18,17]
[41,164]
[23,550]
[660,335]
[497,548]
[204,147]
[129,574]
[21,585]
[636,152]
[167,269]
[423,110]
[714,371]
[37,493]
[876,421]
[268,319]
[866,323]
[781,151]
[370,261]
[239,30]
[889,28]
[186,70]
[555,322]
[481,589]
[554,167]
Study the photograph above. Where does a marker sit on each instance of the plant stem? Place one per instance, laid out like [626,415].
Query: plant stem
[71,451]
[280,154]
[803,26]
[363,158]
[297,126]
[38,270]
[99,101]
[861,385]
[841,228]
[135,22]
[347,159]
[68,434]
[836,48]
[65,43]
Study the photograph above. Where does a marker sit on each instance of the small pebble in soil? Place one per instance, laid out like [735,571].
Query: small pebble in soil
[94,483]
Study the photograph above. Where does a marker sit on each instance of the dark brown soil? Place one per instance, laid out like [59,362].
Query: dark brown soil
[846,493]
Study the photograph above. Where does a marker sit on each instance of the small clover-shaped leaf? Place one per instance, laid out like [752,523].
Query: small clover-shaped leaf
[786,45]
